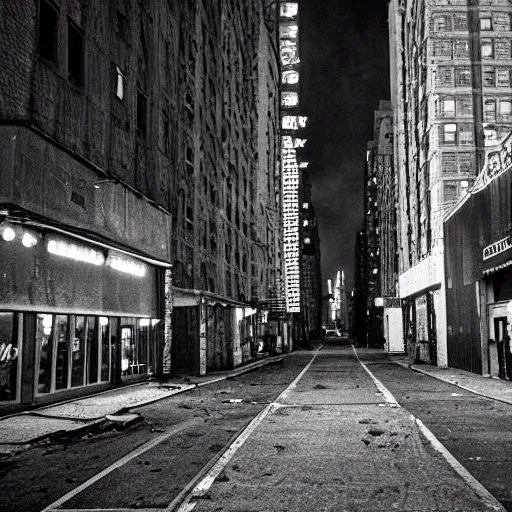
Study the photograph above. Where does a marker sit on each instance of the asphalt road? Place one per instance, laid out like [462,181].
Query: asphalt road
[324,438]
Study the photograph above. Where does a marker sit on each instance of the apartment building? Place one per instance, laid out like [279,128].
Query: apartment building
[450,90]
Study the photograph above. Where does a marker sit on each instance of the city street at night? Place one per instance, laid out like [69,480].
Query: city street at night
[314,432]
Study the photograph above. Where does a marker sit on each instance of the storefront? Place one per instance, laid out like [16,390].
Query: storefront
[76,315]
[479,271]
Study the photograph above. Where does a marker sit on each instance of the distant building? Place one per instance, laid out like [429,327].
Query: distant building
[311,270]
[361,288]
[450,90]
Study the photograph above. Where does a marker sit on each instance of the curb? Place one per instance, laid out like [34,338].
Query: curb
[442,379]
[89,423]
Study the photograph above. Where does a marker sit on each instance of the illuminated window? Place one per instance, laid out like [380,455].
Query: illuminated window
[485,24]
[464,184]
[305,223]
[119,84]
[307,241]
[449,133]
[487,48]
[288,31]
[290,77]
[448,107]
[305,206]
[288,9]
[375,271]
[505,107]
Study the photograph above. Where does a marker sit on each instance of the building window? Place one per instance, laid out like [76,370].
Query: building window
[505,107]
[142,102]
[305,223]
[442,23]
[75,54]
[464,106]
[485,24]
[466,135]
[48,30]
[449,133]
[8,356]
[489,110]
[460,22]
[450,191]
[487,49]
[165,132]
[463,77]
[503,78]
[119,84]
[489,77]
[305,206]
[448,107]
[461,50]
[445,76]
[307,240]
[442,48]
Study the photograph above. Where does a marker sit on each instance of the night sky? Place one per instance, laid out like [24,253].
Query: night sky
[345,72]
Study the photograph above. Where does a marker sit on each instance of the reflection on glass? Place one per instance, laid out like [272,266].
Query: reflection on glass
[62,361]
[126,350]
[105,349]
[8,357]
[44,344]
[92,351]
[78,352]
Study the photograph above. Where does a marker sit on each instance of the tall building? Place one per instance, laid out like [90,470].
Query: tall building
[360,288]
[311,270]
[135,137]
[450,81]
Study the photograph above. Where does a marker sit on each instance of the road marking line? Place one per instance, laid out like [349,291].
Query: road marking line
[121,462]
[207,481]
[472,482]
[388,397]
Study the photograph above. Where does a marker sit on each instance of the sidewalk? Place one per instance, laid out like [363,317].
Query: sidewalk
[489,387]
[81,414]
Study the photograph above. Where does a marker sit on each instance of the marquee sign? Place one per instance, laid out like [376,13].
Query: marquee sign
[497,248]
[291,238]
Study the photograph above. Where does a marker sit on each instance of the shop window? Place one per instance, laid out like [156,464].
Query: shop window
[135,346]
[48,31]
[75,54]
[487,49]
[9,352]
[44,347]
[485,24]
[106,333]
[63,352]
[78,352]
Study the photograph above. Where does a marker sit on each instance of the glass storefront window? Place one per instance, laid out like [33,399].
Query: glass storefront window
[78,353]
[92,351]
[44,346]
[135,345]
[62,360]
[105,335]
[9,352]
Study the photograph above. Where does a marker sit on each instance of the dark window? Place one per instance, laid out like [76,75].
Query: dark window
[48,29]
[122,25]
[165,132]
[75,54]
[142,105]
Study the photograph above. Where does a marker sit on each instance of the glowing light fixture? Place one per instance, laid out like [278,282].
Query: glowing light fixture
[144,322]
[8,234]
[126,265]
[29,239]
[103,321]
[61,247]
